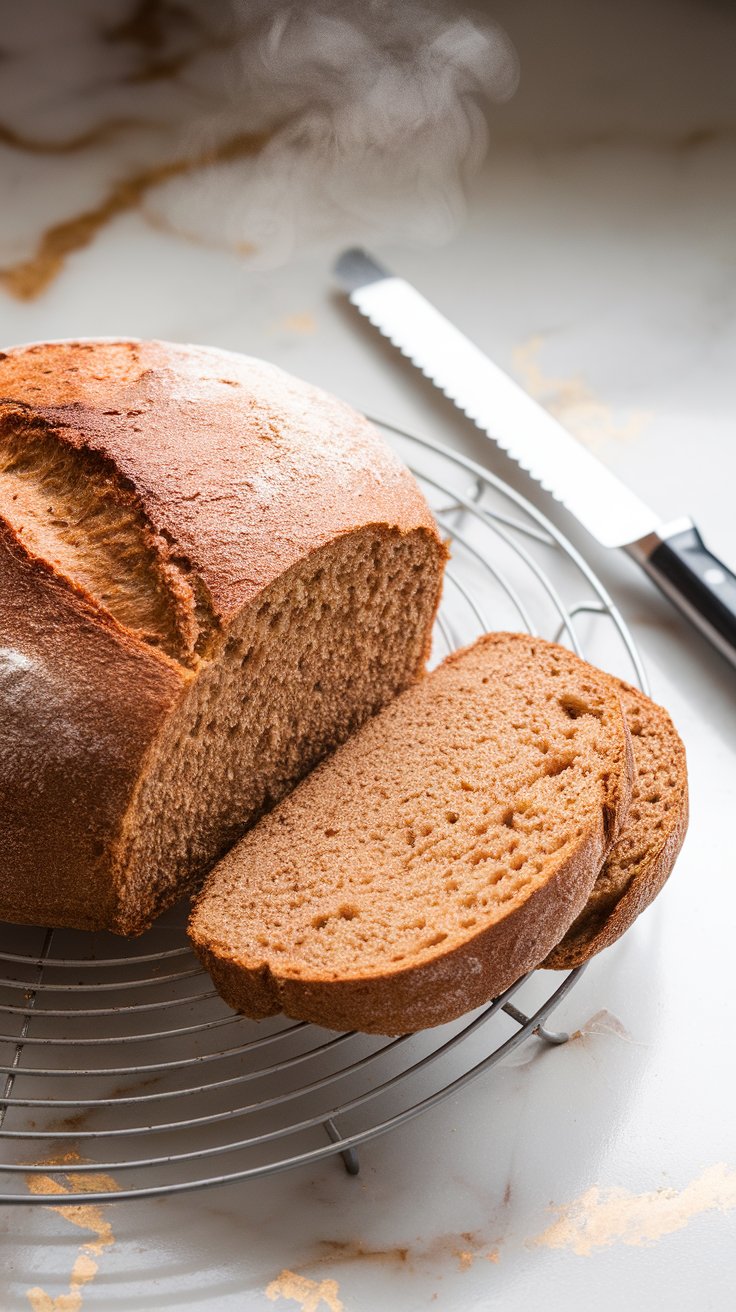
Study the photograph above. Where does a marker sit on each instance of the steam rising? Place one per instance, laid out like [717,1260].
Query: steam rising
[378,118]
[373,114]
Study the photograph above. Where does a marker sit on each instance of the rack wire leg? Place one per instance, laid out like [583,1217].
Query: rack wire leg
[349,1155]
[553,1037]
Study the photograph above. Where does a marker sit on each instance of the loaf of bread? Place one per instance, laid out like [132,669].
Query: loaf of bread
[639,864]
[434,858]
[210,575]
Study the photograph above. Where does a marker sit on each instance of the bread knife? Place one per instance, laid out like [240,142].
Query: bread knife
[673,554]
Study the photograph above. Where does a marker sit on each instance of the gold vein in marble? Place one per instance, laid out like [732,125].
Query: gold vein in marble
[600,1218]
[604,1022]
[29,278]
[150,27]
[310,1295]
[146,24]
[464,1248]
[302,324]
[100,134]
[84,1215]
[572,401]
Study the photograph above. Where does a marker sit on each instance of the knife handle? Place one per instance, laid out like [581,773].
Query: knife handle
[698,583]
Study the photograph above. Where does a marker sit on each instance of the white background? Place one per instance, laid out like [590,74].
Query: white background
[598,265]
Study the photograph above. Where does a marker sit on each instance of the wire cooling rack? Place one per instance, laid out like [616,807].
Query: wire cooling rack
[124,1070]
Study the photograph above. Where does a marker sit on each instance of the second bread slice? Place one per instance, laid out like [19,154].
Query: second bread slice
[436,857]
[640,863]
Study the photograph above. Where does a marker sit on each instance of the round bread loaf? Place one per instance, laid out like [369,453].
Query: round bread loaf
[210,575]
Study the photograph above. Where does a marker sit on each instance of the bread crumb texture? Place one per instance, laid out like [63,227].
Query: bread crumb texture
[494,785]
[294,677]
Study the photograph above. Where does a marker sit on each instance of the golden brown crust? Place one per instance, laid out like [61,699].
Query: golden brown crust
[244,468]
[235,472]
[626,887]
[79,703]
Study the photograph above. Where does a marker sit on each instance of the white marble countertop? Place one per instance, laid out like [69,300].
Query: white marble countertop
[597,265]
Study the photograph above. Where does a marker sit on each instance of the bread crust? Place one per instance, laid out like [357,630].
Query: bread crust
[80,701]
[594,932]
[244,468]
[238,472]
[434,993]
[456,979]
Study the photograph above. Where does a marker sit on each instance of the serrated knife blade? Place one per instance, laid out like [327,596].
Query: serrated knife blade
[674,555]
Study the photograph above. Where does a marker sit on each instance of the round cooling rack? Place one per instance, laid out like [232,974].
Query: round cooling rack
[120,1067]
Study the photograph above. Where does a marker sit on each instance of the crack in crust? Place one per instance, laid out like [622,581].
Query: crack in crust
[72,508]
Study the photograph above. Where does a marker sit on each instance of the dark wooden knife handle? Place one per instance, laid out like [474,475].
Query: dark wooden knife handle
[698,583]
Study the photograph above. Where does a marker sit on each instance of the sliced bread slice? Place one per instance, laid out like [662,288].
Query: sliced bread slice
[638,866]
[435,857]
